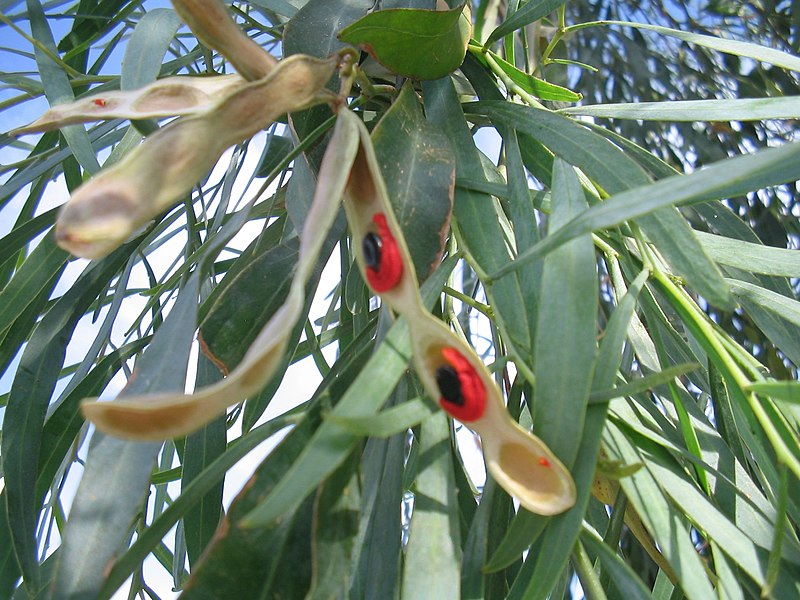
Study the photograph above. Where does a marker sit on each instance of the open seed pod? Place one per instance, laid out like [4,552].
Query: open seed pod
[450,370]
[378,243]
[519,461]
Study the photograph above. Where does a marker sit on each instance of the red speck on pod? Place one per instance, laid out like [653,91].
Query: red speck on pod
[544,462]
[99,102]
[385,265]
[462,389]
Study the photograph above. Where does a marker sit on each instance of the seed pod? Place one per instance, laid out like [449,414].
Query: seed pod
[211,22]
[171,96]
[106,210]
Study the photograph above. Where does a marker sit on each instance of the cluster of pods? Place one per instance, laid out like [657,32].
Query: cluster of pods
[106,210]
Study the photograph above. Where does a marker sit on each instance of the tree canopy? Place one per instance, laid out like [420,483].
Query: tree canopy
[548,348]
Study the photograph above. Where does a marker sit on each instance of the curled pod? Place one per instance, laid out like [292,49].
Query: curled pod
[384,263]
[463,393]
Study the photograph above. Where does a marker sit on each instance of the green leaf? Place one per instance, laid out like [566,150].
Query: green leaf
[242,561]
[642,384]
[35,380]
[726,178]
[565,335]
[37,275]
[257,286]
[736,47]
[739,109]
[667,526]
[378,550]
[694,504]
[418,168]
[145,50]
[776,315]
[275,152]
[314,29]
[532,11]
[388,422]
[201,449]
[118,472]
[535,86]
[625,580]
[748,256]
[189,497]
[420,44]
[432,558]
[333,536]
[676,241]
[479,219]
[788,391]
[57,87]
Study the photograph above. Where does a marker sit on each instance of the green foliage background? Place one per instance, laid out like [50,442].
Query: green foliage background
[627,267]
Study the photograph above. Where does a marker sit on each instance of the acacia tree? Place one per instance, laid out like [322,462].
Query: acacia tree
[604,259]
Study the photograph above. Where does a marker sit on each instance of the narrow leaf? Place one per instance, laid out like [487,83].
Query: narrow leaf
[535,86]
[736,47]
[726,178]
[565,338]
[738,109]
[532,11]
[755,258]
[788,391]
[388,422]
[433,554]
[146,48]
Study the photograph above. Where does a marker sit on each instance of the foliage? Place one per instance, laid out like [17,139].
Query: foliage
[623,264]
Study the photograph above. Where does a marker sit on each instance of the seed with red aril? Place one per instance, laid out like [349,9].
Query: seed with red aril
[463,393]
[99,102]
[382,256]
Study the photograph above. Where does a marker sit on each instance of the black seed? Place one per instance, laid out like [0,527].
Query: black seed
[449,385]
[371,248]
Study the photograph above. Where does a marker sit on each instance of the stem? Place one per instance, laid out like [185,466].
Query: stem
[469,301]
[511,87]
[588,576]
[707,335]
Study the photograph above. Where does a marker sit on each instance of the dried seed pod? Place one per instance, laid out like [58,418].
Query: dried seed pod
[162,416]
[172,96]
[106,210]
[211,22]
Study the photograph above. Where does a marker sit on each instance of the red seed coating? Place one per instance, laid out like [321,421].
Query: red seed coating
[473,392]
[544,462]
[99,102]
[390,269]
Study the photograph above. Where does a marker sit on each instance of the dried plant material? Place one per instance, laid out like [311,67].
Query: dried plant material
[106,210]
[211,22]
[171,96]
[162,416]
